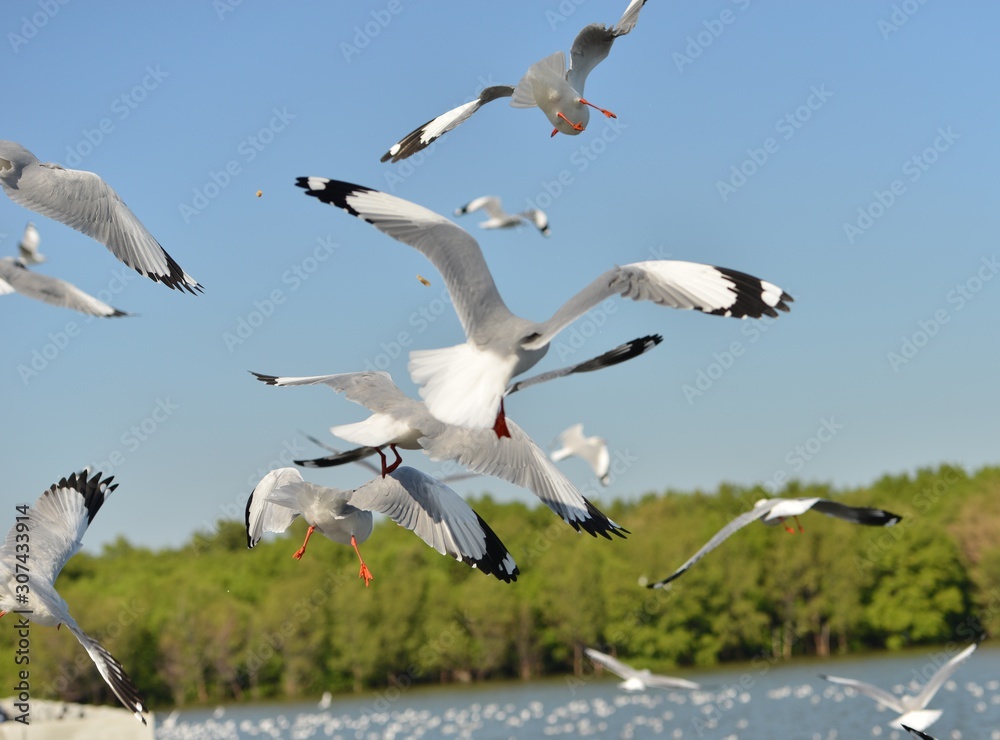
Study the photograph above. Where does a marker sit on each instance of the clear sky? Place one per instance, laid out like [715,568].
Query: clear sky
[846,151]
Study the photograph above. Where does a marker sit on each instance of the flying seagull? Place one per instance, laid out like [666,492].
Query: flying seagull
[28,246]
[500,219]
[912,709]
[83,201]
[398,421]
[772,511]
[593,450]
[37,547]
[614,356]
[547,84]
[418,502]
[638,680]
[15,277]
[464,385]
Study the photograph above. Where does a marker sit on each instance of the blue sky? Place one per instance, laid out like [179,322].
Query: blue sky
[845,151]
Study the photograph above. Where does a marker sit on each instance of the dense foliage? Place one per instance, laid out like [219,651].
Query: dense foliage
[213,621]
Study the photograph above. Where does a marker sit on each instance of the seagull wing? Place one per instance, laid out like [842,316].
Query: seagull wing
[112,672]
[539,219]
[593,44]
[518,460]
[856,514]
[440,517]
[612,664]
[490,203]
[424,136]
[267,514]
[621,353]
[52,290]
[669,682]
[83,201]
[672,283]
[883,697]
[943,674]
[57,522]
[372,389]
[721,536]
[451,249]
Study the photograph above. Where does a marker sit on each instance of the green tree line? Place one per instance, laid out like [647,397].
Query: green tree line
[215,622]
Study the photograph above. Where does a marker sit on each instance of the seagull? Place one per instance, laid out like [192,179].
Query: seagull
[636,680]
[547,84]
[401,422]
[28,246]
[593,450]
[83,201]
[37,547]
[912,709]
[500,219]
[464,385]
[614,356]
[774,510]
[414,500]
[15,277]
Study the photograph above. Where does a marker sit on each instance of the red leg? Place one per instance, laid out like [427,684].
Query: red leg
[500,425]
[787,528]
[799,524]
[302,550]
[365,573]
[576,126]
[384,461]
[608,113]
[395,464]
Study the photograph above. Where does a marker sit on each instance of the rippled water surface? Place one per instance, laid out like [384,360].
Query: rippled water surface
[752,701]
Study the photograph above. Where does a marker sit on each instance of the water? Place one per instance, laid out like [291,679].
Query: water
[759,700]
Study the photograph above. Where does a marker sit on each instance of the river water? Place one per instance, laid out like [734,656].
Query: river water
[758,700]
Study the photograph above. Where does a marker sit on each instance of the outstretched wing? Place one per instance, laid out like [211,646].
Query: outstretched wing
[440,517]
[721,536]
[112,672]
[518,460]
[57,522]
[612,664]
[883,697]
[856,514]
[424,136]
[672,283]
[53,291]
[943,674]
[593,44]
[83,201]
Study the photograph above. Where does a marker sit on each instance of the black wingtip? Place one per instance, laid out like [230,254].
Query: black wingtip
[597,523]
[332,192]
[749,301]
[497,559]
[358,453]
[246,520]
[269,379]
[94,490]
